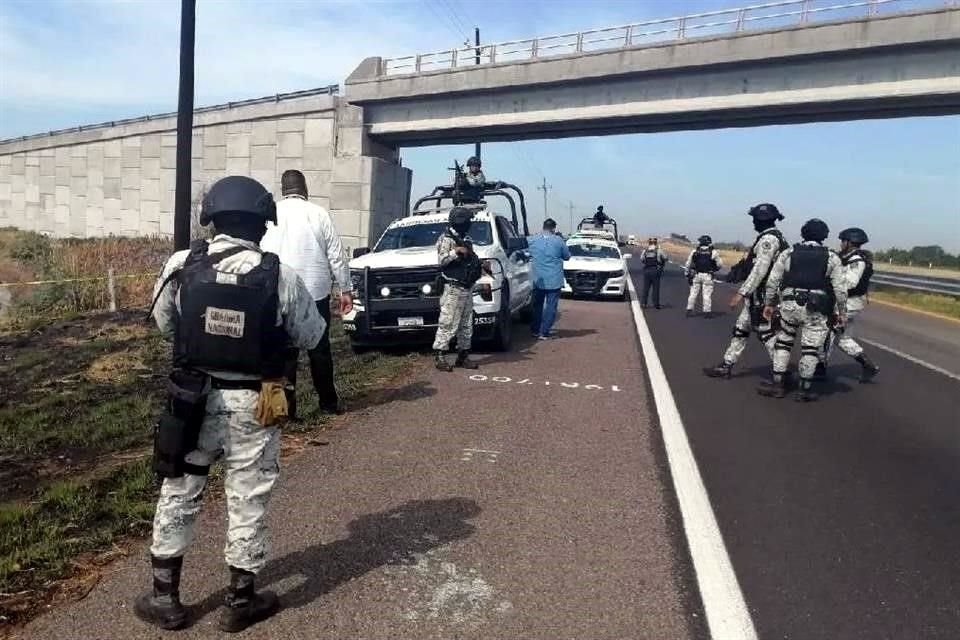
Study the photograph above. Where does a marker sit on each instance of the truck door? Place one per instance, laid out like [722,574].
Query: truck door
[517,265]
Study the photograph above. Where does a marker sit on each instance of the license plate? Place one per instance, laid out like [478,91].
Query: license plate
[410,322]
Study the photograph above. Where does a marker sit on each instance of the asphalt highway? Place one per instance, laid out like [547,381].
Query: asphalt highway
[841,517]
[540,497]
[529,499]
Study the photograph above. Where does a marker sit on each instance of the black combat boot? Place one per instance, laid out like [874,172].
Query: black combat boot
[805,392]
[869,369]
[691,313]
[464,361]
[708,314]
[243,606]
[776,387]
[161,607]
[722,370]
[441,361]
[820,372]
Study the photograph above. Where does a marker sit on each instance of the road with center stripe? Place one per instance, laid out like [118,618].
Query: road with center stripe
[841,517]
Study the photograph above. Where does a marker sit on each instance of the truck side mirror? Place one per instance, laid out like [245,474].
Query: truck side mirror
[361,251]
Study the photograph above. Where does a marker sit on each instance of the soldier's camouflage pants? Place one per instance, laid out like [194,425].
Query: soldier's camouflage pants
[456,318]
[813,330]
[251,455]
[704,281]
[844,340]
[741,331]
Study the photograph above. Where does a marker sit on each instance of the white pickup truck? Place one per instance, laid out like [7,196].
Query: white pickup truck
[397,283]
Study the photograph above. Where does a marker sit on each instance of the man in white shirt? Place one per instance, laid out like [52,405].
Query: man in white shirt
[304,237]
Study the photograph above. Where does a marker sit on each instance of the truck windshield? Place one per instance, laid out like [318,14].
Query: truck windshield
[593,251]
[427,234]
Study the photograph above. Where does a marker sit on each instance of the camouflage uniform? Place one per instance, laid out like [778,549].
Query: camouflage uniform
[456,305]
[231,432]
[767,249]
[855,304]
[701,281]
[811,324]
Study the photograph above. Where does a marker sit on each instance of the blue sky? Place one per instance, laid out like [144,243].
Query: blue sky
[64,63]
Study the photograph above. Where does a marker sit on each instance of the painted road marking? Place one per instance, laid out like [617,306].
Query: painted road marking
[907,356]
[723,602]
[488,455]
[479,377]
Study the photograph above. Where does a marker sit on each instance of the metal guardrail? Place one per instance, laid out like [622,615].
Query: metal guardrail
[770,15]
[332,89]
[943,286]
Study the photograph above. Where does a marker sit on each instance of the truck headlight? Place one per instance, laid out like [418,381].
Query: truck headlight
[385,292]
[616,274]
[426,289]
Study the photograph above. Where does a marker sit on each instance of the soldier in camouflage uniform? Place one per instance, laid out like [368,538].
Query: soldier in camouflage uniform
[239,208]
[809,281]
[768,245]
[460,269]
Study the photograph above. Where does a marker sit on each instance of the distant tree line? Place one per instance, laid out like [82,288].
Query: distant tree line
[928,256]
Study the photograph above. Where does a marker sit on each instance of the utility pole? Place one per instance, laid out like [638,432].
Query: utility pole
[181,209]
[570,207]
[545,187]
[476,37]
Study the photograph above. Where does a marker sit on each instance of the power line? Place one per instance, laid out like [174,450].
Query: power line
[456,15]
[443,17]
[545,187]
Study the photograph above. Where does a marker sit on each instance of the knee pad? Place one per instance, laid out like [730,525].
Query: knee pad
[783,345]
[766,335]
[740,333]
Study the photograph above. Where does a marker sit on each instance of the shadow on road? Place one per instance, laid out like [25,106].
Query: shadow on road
[407,393]
[390,537]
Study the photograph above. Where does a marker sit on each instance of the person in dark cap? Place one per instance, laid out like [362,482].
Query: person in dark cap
[305,238]
[460,269]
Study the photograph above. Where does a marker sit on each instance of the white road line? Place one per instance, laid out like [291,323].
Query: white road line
[723,602]
[907,356]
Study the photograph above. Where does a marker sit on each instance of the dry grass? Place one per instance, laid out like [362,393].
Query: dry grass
[26,256]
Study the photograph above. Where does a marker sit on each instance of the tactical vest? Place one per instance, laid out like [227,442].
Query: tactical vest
[703,260]
[753,255]
[864,284]
[228,321]
[650,258]
[808,268]
[465,270]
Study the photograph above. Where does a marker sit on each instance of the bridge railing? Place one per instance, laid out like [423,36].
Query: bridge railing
[762,16]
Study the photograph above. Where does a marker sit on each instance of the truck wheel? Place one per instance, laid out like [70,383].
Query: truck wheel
[503,333]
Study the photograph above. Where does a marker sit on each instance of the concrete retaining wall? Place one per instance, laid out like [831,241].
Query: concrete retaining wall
[120,180]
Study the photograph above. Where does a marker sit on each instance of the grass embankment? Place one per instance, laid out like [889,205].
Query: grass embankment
[77,406]
[941,305]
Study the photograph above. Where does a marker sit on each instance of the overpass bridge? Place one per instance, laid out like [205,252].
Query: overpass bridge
[808,61]
[691,72]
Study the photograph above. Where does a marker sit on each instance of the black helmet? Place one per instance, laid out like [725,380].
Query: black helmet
[460,216]
[600,207]
[473,160]
[705,240]
[765,211]
[237,194]
[856,235]
[815,229]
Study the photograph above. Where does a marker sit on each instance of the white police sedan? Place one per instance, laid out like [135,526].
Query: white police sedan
[596,268]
